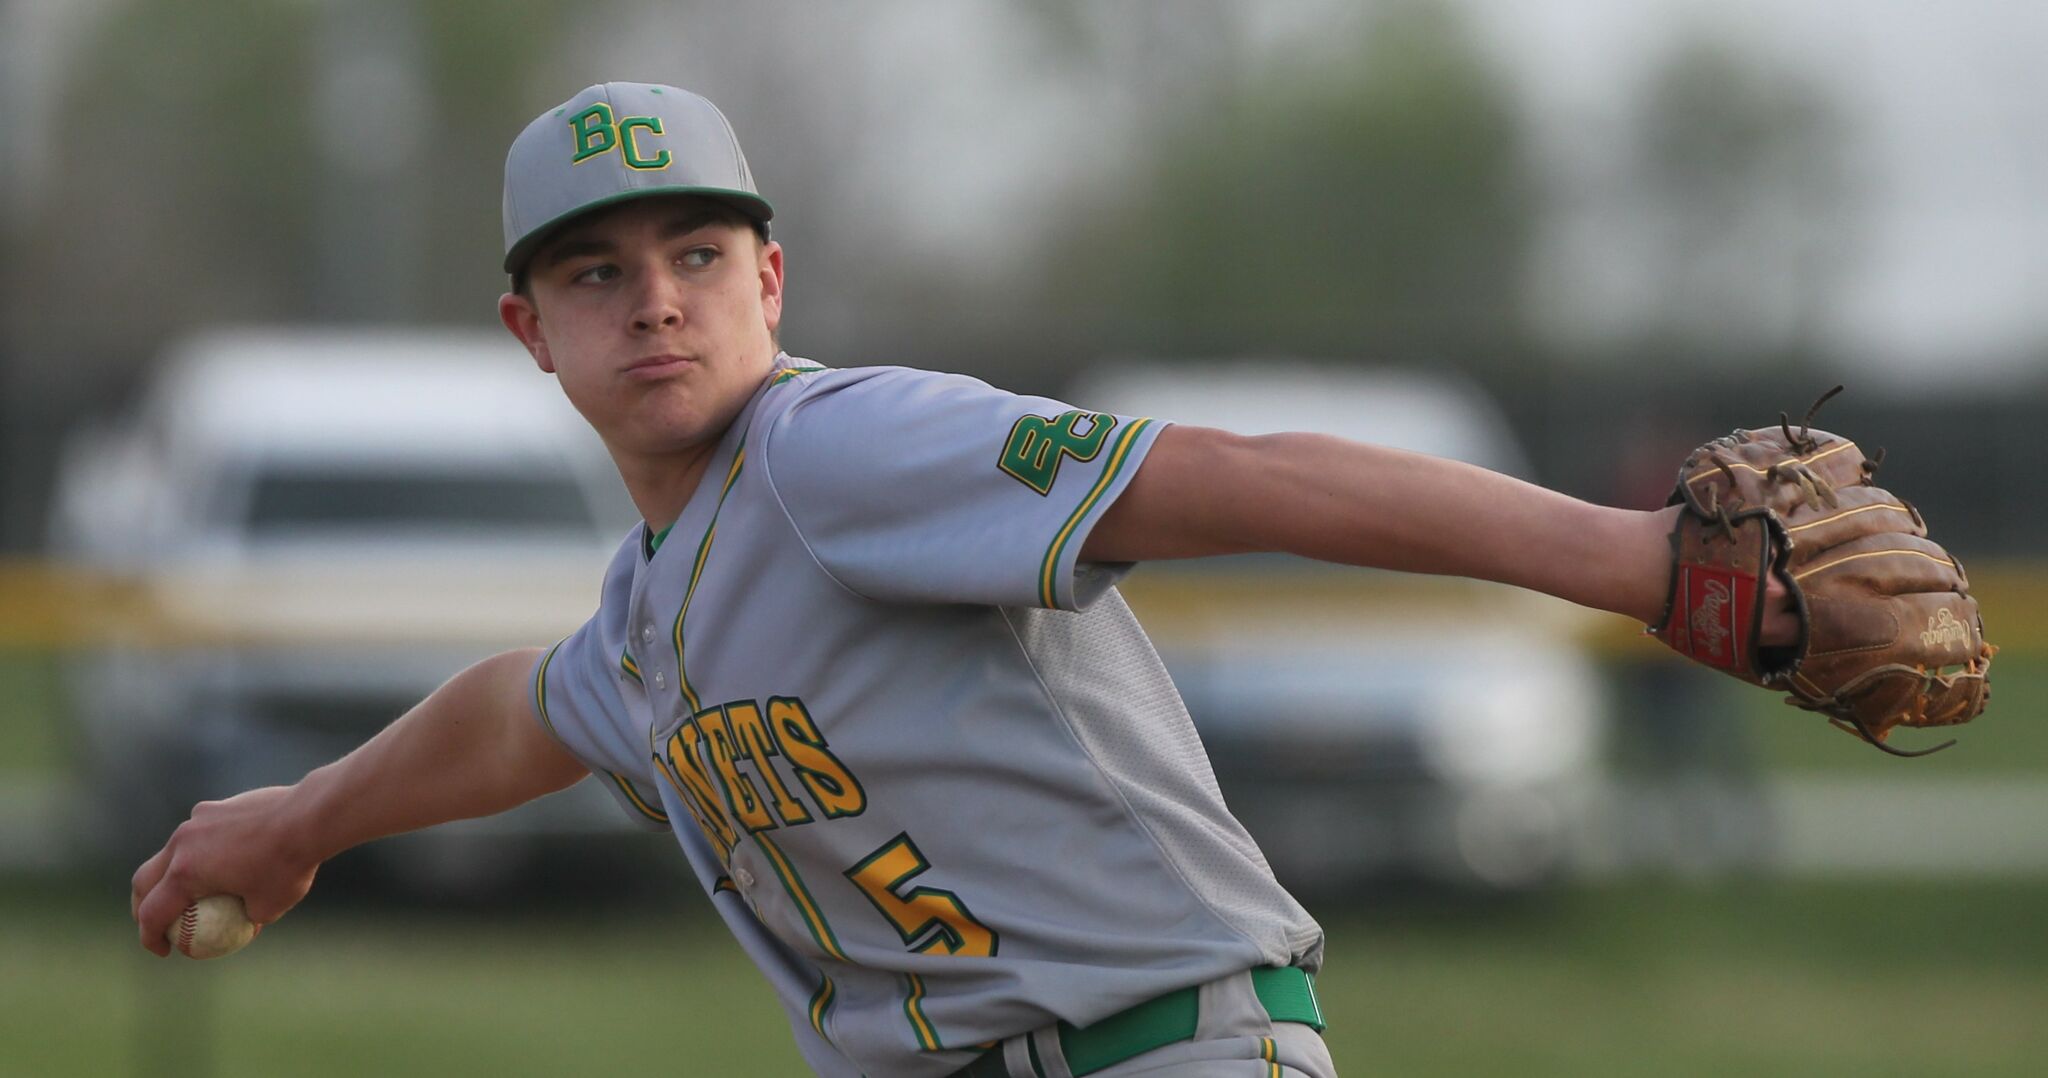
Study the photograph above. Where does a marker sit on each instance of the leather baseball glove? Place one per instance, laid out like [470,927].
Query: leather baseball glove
[1889,634]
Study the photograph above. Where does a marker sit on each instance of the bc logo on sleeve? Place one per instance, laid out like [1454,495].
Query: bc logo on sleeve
[1038,444]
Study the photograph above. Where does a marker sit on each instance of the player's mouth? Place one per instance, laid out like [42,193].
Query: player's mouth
[655,367]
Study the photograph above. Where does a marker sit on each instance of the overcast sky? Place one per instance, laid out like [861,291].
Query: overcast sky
[1948,107]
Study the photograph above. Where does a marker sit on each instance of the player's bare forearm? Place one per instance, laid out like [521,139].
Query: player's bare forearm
[472,748]
[1202,492]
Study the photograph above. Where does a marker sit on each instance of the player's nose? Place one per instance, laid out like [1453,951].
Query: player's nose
[657,304]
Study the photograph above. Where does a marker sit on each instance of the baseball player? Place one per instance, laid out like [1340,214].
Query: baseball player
[865,657]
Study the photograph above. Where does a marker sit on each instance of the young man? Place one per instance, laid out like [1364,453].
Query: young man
[865,658]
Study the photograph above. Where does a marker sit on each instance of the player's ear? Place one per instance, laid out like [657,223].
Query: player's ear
[771,284]
[523,319]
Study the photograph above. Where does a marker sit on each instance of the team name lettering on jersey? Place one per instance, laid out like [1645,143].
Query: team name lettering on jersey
[682,762]
[752,730]
[597,133]
[722,763]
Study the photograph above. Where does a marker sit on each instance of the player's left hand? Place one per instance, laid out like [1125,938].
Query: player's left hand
[1794,570]
[1780,625]
[241,846]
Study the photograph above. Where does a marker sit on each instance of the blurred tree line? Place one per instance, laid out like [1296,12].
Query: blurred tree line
[1384,203]
[1371,194]
[250,160]
[1376,205]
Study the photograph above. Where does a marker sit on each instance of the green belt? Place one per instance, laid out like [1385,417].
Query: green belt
[1288,995]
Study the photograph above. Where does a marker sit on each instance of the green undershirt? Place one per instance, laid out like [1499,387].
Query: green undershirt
[651,539]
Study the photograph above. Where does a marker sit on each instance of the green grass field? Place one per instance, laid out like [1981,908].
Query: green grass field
[1755,979]
[33,733]
[1759,978]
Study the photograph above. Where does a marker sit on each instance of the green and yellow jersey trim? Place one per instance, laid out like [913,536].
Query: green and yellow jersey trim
[813,915]
[540,688]
[782,376]
[821,1004]
[793,884]
[732,474]
[913,1009]
[648,808]
[1270,1052]
[629,665]
[1048,572]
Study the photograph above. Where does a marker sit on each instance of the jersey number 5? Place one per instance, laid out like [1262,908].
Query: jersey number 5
[930,921]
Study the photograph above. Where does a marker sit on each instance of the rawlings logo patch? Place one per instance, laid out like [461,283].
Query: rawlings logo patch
[1710,625]
[1943,630]
[1717,615]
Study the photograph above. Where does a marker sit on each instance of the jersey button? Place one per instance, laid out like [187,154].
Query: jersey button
[647,634]
[660,682]
[742,877]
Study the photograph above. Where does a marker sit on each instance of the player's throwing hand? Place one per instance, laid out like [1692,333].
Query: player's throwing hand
[233,847]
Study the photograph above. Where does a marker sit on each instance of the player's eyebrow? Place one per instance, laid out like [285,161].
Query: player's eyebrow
[576,245]
[684,224]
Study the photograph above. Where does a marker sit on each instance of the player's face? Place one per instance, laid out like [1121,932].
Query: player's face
[657,317]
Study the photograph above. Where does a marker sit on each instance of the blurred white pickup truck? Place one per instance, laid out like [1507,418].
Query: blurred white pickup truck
[1366,724]
[316,528]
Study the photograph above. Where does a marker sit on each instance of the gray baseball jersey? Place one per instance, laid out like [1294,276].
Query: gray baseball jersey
[924,760]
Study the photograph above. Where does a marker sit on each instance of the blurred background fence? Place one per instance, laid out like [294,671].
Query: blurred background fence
[1610,228]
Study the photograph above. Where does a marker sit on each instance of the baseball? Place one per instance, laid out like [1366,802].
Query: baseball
[213,927]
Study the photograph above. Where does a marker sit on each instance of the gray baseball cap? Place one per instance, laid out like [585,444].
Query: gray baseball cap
[615,141]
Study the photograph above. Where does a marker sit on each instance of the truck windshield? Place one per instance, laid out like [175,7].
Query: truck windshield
[295,502]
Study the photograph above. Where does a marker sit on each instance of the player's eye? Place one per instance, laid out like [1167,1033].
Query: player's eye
[700,257]
[596,274]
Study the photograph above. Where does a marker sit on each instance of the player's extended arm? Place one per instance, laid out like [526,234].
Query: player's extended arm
[471,748]
[1201,492]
